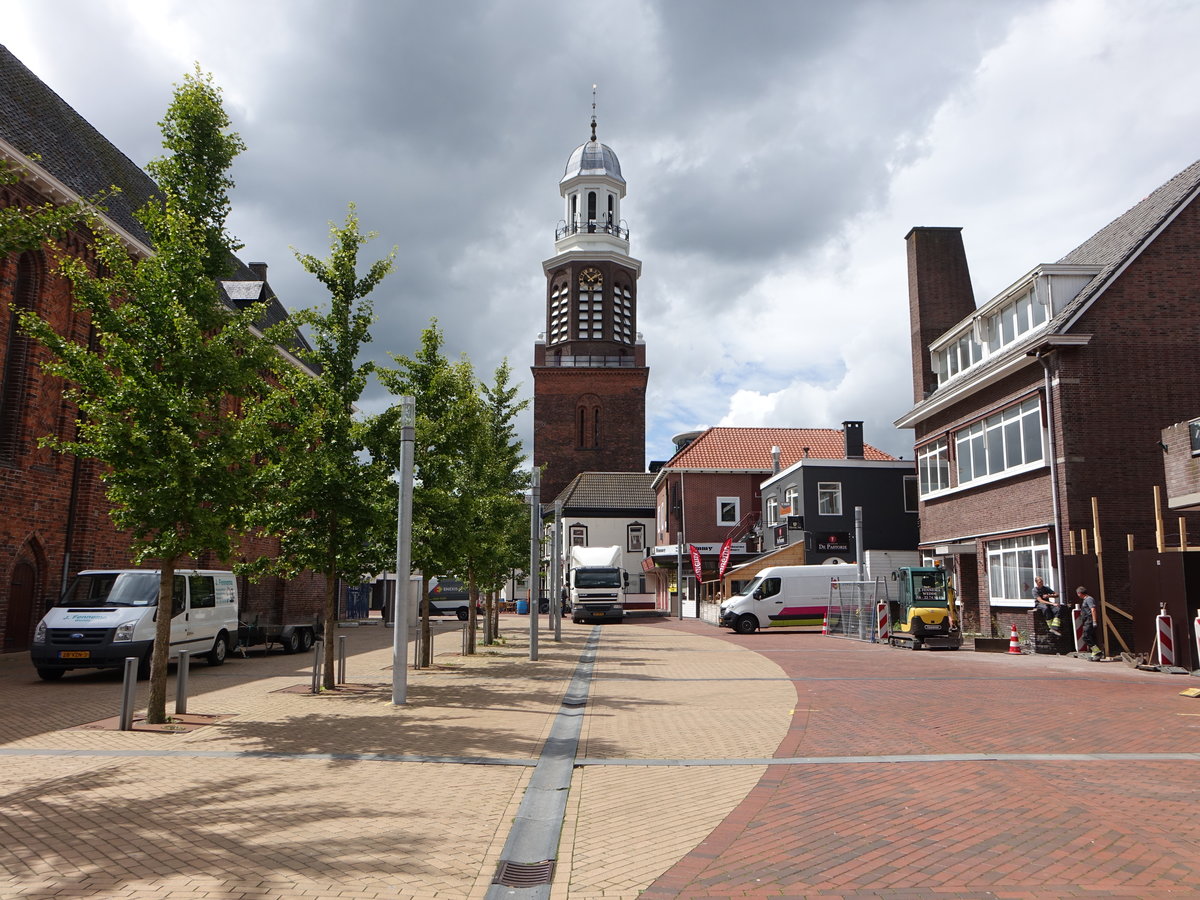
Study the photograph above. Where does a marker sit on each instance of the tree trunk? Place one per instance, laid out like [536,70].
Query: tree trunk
[424,657]
[472,617]
[488,603]
[156,704]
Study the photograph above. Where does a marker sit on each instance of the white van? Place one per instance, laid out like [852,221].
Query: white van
[107,615]
[784,597]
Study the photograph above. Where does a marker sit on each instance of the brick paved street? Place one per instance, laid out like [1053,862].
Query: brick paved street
[899,774]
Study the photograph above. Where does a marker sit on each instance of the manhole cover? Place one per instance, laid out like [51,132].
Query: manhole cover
[518,875]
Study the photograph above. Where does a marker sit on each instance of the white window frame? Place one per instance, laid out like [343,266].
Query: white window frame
[1012,564]
[933,467]
[722,521]
[772,510]
[999,445]
[915,492]
[577,531]
[827,490]
[635,533]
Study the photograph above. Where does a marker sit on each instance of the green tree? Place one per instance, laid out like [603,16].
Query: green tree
[499,540]
[448,418]
[326,498]
[29,226]
[162,393]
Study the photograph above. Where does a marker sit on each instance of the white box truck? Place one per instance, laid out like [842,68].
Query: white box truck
[107,615]
[596,584]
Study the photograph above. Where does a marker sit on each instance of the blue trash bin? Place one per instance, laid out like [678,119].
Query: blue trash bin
[522,607]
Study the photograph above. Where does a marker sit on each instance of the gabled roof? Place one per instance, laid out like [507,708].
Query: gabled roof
[609,490]
[36,121]
[749,449]
[1118,241]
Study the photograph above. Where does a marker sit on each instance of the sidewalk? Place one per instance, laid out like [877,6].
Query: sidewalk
[708,764]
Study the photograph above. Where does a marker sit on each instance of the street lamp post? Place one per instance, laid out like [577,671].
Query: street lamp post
[535,557]
[408,425]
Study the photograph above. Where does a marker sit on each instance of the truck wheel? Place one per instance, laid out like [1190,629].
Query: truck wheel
[220,648]
[745,625]
[51,674]
[463,613]
[306,639]
[291,643]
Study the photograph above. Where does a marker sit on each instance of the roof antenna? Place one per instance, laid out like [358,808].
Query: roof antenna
[593,112]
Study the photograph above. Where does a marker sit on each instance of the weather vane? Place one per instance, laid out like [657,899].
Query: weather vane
[593,112]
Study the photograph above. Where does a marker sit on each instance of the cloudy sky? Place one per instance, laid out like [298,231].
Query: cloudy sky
[776,154]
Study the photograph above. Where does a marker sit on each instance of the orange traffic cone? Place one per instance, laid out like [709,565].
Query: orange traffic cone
[825,624]
[1014,645]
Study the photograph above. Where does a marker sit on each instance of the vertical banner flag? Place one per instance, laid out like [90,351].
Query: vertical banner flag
[695,555]
[723,559]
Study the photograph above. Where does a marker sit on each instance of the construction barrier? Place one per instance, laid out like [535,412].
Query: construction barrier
[1165,643]
[825,624]
[1077,624]
[882,614]
[1014,642]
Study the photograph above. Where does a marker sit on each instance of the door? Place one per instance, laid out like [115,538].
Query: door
[770,600]
[20,607]
[201,613]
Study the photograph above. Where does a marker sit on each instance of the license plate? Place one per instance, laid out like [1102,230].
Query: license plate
[74,654]
[599,614]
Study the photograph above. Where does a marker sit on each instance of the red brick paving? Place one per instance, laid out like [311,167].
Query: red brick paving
[1100,828]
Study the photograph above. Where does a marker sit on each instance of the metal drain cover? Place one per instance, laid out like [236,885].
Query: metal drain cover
[519,875]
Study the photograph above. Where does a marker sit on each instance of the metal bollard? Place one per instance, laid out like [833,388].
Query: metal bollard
[318,659]
[341,676]
[181,681]
[128,687]
[464,642]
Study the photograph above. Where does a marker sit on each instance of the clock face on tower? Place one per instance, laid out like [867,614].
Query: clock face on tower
[590,276]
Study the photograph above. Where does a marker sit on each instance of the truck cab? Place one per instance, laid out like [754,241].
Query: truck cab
[596,584]
[923,613]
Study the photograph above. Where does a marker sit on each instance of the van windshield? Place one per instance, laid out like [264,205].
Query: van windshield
[748,590]
[112,589]
[597,578]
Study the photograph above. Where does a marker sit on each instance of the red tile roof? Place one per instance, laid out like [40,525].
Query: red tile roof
[749,449]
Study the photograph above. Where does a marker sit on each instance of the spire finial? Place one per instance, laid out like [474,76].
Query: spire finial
[593,112]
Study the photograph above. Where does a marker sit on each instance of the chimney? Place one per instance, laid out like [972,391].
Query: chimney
[854,439]
[939,295]
[776,467]
[259,269]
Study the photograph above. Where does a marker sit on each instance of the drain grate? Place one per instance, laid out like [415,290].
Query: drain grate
[519,875]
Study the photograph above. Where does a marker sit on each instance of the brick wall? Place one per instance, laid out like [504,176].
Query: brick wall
[54,516]
[621,445]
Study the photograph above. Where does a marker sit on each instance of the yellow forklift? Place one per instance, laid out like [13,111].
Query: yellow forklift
[923,615]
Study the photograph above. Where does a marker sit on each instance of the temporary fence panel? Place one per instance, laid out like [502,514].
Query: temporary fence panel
[853,608]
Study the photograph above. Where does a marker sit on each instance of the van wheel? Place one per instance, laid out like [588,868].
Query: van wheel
[143,668]
[745,625]
[51,674]
[463,613]
[216,655]
[306,639]
[291,643]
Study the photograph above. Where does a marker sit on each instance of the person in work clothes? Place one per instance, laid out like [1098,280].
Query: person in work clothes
[1091,622]
[1047,600]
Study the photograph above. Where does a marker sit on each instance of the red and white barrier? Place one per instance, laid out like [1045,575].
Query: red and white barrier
[1196,625]
[825,624]
[1165,643]
[881,613]
[1077,624]
[1014,642]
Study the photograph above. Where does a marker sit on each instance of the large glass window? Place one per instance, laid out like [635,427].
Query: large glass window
[1013,563]
[933,466]
[772,510]
[1010,439]
[829,498]
[910,493]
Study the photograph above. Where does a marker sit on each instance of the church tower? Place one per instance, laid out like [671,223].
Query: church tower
[589,366]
